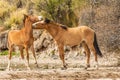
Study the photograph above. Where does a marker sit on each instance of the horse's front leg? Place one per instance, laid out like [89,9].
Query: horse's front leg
[61,54]
[22,54]
[10,55]
[27,57]
[33,51]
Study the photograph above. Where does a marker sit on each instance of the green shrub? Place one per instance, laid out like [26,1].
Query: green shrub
[58,10]
[6,53]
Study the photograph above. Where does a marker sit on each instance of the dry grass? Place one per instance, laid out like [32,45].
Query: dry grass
[4,7]
[15,18]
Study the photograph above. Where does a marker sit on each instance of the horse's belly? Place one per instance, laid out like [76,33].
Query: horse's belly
[17,42]
[73,37]
[72,42]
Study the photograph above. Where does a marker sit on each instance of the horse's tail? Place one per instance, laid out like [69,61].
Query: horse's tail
[96,46]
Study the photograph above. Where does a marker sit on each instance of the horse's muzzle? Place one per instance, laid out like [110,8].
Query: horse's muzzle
[40,18]
[33,25]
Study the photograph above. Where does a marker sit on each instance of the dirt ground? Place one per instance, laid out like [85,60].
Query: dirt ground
[50,69]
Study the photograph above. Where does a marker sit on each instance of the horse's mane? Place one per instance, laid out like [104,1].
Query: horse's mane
[61,25]
[24,20]
[25,16]
[64,27]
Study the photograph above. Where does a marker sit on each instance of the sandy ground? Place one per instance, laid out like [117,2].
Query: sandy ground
[50,69]
[69,74]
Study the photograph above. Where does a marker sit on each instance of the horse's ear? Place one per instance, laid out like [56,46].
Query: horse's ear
[25,15]
[47,20]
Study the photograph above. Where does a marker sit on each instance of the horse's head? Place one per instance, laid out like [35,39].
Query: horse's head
[32,18]
[47,23]
[41,24]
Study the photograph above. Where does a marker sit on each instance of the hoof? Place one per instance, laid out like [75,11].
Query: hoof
[36,65]
[63,68]
[87,66]
[96,67]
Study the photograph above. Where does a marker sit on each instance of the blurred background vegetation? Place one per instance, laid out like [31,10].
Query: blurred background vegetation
[101,15]
[63,11]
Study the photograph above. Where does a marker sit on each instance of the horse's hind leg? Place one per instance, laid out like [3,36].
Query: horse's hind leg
[10,55]
[87,52]
[61,54]
[33,51]
[22,54]
[90,45]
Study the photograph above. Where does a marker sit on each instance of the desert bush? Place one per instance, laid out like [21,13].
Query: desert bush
[12,11]
[15,18]
[5,8]
[58,10]
[17,3]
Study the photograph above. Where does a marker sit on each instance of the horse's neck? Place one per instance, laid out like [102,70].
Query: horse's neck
[28,28]
[54,31]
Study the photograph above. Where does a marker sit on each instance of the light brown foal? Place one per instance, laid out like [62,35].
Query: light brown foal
[23,39]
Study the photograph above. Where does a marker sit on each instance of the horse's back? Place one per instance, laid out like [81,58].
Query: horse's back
[86,28]
[81,32]
[14,33]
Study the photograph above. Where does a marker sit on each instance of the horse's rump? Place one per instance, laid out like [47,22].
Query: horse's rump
[14,37]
